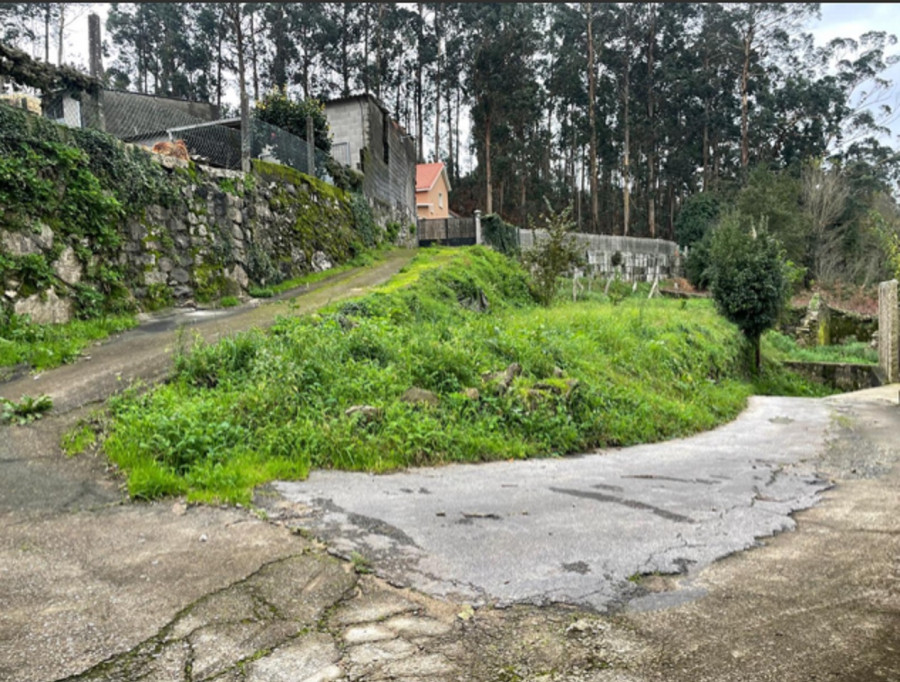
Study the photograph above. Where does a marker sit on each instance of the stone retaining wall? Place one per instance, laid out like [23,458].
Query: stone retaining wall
[224,232]
[844,376]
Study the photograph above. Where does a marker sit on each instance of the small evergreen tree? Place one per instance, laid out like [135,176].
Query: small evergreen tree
[553,257]
[747,276]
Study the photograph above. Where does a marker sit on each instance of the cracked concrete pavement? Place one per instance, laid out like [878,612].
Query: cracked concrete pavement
[631,585]
[576,530]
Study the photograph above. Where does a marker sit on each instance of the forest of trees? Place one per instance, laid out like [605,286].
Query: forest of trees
[627,112]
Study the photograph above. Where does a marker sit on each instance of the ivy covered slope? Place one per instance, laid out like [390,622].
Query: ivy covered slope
[496,376]
[90,227]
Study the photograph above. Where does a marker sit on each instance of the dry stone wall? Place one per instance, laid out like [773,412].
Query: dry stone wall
[223,233]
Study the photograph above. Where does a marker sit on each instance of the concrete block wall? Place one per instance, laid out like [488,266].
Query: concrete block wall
[643,259]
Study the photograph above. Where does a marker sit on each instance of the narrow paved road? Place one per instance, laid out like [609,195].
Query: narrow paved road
[145,353]
[577,530]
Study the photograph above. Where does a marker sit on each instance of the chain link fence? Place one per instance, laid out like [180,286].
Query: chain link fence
[147,120]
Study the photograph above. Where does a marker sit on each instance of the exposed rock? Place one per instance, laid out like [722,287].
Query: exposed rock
[18,243]
[320,261]
[472,394]
[154,277]
[52,310]
[417,396]
[501,381]
[367,413]
[237,274]
[44,238]
[67,266]
[180,275]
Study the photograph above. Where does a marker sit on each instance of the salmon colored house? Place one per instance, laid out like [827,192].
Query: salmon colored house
[432,191]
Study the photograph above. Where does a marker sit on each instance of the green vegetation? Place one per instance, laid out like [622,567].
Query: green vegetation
[781,347]
[229,302]
[512,379]
[748,278]
[42,346]
[26,410]
[550,259]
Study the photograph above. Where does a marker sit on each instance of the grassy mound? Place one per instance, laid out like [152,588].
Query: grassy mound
[500,378]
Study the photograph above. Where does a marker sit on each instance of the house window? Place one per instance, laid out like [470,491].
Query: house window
[440,200]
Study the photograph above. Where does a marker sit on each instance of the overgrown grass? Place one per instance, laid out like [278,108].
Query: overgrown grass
[43,346]
[368,257]
[782,347]
[261,406]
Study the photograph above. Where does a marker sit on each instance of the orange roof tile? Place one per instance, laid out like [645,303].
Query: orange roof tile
[427,174]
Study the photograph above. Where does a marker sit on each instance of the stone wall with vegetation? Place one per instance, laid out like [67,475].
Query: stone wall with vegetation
[89,225]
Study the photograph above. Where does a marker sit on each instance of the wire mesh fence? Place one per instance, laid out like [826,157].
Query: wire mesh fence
[148,121]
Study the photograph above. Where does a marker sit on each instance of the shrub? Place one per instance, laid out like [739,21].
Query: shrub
[747,277]
[548,260]
[699,213]
[500,235]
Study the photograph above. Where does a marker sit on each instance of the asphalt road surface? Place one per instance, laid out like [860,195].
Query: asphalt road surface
[577,530]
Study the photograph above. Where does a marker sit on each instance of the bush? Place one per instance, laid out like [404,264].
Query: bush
[500,235]
[550,259]
[277,109]
[747,277]
[699,213]
[696,265]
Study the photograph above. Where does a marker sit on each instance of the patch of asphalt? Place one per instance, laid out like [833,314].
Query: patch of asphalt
[145,353]
[510,532]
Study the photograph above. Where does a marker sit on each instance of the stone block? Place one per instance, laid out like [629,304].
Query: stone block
[889,331]
[50,310]
[67,266]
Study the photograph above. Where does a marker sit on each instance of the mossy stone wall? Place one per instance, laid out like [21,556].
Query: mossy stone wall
[91,225]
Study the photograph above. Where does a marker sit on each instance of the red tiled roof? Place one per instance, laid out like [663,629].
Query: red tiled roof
[427,174]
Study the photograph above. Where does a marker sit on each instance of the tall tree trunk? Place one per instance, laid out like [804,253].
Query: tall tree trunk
[279,40]
[47,7]
[626,169]
[456,158]
[420,118]
[221,32]
[62,32]
[651,152]
[253,56]
[235,12]
[451,157]
[706,127]
[365,23]
[379,53]
[488,197]
[745,104]
[437,84]
[592,77]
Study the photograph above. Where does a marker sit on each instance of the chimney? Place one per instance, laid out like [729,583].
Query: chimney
[94,46]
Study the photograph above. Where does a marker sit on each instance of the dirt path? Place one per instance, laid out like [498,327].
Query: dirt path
[145,353]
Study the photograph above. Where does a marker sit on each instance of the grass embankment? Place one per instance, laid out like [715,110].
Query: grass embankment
[261,406]
[42,346]
[781,347]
